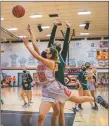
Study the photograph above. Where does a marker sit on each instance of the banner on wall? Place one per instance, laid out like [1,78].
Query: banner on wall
[70,75]
[104,44]
[102,54]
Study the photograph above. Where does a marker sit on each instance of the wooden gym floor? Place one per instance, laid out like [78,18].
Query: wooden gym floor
[86,117]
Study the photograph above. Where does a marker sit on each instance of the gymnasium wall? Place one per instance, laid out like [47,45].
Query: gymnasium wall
[85,51]
[17,55]
[81,51]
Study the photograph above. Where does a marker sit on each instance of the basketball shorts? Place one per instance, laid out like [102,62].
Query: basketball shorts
[56,92]
[84,86]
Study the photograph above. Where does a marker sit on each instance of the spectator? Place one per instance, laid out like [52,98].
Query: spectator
[14,81]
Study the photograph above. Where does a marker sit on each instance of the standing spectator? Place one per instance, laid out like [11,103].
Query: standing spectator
[14,81]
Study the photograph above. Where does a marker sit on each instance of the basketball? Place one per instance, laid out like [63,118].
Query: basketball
[18,11]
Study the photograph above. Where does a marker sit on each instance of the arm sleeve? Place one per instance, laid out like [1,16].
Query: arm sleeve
[94,78]
[61,60]
[51,41]
[65,45]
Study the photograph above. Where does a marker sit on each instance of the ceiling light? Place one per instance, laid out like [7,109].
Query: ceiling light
[36,16]
[22,36]
[84,12]
[12,29]
[48,35]
[44,27]
[2,19]
[82,25]
[84,33]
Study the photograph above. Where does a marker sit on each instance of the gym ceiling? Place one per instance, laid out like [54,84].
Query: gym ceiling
[66,11]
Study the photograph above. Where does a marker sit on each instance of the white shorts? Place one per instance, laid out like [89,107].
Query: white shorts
[46,99]
[91,86]
[56,92]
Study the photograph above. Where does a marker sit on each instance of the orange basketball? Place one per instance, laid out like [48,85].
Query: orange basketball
[18,11]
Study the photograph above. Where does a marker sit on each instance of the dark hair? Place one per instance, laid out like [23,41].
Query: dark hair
[57,46]
[94,78]
[54,53]
[87,65]
[43,54]
[83,67]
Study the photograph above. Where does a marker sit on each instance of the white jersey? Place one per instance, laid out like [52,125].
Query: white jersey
[90,74]
[45,75]
[52,90]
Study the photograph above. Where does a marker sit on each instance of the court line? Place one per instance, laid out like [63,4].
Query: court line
[29,114]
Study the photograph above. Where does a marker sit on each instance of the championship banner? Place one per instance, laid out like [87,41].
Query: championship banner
[102,54]
[104,44]
[70,75]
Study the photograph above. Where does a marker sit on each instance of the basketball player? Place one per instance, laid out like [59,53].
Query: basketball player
[62,58]
[52,90]
[61,65]
[92,85]
[83,78]
[26,84]
[86,84]
[30,88]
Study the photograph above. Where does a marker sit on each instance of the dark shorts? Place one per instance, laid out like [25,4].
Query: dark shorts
[27,88]
[84,86]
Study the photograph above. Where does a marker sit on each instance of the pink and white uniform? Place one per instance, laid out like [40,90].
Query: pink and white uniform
[52,90]
[90,80]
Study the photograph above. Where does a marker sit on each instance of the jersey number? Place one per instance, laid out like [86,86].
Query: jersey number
[42,77]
